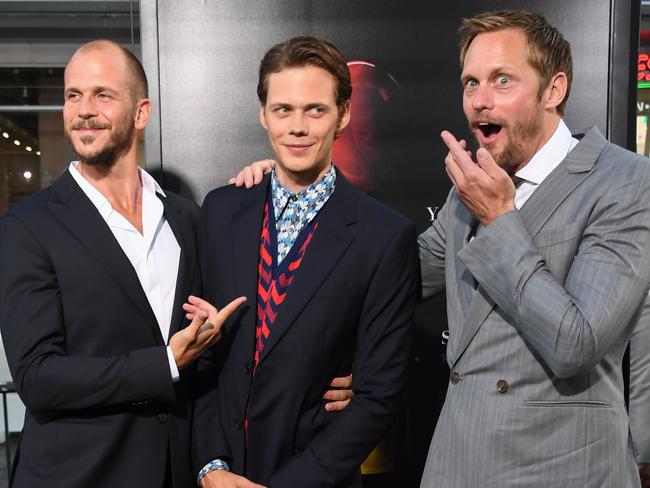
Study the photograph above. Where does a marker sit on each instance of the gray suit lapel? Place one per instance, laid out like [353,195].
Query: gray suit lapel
[551,193]
[575,168]
[465,283]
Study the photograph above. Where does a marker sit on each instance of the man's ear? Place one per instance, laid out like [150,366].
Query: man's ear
[556,90]
[142,113]
[344,117]
[263,117]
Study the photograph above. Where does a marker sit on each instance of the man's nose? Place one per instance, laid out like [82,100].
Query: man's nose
[483,98]
[299,124]
[87,108]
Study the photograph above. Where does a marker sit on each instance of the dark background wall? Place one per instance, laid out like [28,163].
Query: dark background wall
[202,59]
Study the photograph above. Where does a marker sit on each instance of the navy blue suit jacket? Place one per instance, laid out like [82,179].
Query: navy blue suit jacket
[350,308]
[85,350]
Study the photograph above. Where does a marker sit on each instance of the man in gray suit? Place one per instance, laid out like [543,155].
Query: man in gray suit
[544,277]
[542,249]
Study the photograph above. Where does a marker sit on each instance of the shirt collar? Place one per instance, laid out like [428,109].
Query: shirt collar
[307,199]
[149,185]
[549,156]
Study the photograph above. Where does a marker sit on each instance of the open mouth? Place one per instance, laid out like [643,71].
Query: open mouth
[490,131]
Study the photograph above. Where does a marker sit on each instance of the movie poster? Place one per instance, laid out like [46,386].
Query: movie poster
[404,63]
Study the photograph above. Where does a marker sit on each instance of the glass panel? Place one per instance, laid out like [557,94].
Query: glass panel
[32,149]
[38,38]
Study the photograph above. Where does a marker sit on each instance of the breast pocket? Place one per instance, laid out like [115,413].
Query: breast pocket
[567,403]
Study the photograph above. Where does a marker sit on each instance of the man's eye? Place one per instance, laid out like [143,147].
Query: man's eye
[72,97]
[471,84]
[503,80]
[104,96]
[282,110]
[316,111]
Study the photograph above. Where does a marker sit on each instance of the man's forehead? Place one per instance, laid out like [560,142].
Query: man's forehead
[505,47]
[301,83]
[98,66]
[104,54]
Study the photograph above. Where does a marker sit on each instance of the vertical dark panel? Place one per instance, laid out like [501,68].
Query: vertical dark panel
[624,45]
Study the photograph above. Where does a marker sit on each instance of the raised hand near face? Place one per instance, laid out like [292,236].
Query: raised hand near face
[483,186]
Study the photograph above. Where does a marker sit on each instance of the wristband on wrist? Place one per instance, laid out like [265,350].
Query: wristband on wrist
[214,465]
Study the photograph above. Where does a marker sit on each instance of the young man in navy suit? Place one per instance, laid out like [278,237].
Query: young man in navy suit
[334,276]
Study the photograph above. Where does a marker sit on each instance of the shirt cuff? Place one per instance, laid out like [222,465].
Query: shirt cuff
[214,465]
[172,365]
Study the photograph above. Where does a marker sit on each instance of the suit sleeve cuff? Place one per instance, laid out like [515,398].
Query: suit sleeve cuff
[172,365]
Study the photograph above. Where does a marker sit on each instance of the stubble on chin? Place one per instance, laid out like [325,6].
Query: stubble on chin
[513,154]
[105,157]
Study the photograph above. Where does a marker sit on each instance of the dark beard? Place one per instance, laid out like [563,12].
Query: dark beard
[118,144]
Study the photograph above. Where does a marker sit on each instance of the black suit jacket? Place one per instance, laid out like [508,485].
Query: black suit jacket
[85,350]
[349,308]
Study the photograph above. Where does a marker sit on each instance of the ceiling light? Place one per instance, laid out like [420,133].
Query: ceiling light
[5,135]
[38,153]
[16,142]
[27,175]
[28,148]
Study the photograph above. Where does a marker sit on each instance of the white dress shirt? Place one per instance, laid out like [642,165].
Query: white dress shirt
[543,163]
[154,254]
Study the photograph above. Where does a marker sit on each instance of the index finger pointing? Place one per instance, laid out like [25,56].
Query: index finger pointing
[457,151]
[226,311]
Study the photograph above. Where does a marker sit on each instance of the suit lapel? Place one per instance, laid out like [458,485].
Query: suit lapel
[246,226]
[464,280]
[336,230]
[575,168]
[552,192]
[180,225]
[480,307]
[72,207]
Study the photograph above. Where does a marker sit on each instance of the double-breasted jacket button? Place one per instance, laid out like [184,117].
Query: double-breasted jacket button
[246,368]
[454,377]
[502,386]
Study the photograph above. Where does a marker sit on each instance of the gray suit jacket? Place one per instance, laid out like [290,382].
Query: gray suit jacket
[640,385]
[536,391]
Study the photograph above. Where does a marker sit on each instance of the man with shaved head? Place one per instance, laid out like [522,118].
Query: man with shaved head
[95,270]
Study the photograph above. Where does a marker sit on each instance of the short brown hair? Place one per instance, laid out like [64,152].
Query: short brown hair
[548,52]
[306,51]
